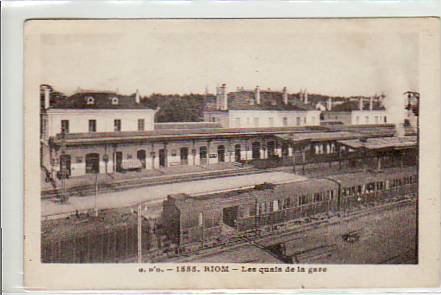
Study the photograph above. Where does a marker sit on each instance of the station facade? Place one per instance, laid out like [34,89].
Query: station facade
[100,132]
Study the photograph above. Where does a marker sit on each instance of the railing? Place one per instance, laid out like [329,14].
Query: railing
[99,246]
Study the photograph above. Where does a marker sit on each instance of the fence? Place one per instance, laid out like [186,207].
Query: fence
[105,245]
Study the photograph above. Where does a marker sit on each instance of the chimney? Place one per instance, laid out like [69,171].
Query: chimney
[137,97]
[371,103]
[360,103]
[305,96]
[329,104]
[257,95]
[47,97]
[224,97]
[285,95]
[217,97]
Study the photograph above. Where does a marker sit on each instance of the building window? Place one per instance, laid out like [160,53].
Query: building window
[237,122]
[385,119]
[256,122]
[64,126]
[298,121]
[114,100]
[92,125]
[304,120]
[117,125]
[376,119]
[271,122]
[285,121]
[141,124]
[90,100]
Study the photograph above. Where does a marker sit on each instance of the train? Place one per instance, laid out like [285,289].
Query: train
[210,219]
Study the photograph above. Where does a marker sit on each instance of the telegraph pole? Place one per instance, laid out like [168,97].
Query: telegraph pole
[96,194]
[63,171]
[139,232]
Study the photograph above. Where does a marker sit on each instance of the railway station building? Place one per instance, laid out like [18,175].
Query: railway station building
[105,132]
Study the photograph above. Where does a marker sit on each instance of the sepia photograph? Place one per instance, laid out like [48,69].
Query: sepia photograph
[227,142]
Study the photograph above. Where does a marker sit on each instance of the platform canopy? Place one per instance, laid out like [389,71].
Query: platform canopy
[318,136]
[381,143]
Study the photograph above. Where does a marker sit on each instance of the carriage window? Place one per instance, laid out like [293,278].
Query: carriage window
[253,210]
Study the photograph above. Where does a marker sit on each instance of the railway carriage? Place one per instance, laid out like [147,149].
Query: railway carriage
[362,189]
[210,218]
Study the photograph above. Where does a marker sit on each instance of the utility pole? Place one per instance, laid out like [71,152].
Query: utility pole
[293,157]
[63,169]
[139,233]
[96,194]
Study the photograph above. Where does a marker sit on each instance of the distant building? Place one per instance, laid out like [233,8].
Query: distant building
[260,108]
[356,112]
[412,107]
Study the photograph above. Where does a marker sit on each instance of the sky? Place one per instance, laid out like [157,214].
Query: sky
[346,57]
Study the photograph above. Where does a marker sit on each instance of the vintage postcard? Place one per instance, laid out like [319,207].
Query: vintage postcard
[232,153]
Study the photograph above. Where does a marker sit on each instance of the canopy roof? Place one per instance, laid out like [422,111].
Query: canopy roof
[381,143]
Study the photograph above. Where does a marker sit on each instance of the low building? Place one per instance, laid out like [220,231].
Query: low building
[355,112]
[260,108]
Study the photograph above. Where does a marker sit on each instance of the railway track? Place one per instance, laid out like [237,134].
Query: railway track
[287,235]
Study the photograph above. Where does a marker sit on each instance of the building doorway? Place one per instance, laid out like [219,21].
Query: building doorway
[203,155]
[65,162]
[92,163]
[184,156]
[285,150]
[141,155]
[237,153]
[271,147]
[118,161]
[162,158]
[229,216]
[255,150]
[221,153]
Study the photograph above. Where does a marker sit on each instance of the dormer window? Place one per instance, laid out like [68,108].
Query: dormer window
[90,100]
[115,100]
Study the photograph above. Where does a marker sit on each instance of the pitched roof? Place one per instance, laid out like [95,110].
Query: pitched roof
[270,100]
[101,100]
[352,105]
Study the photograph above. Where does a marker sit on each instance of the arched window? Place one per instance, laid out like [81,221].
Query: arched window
[90,100]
